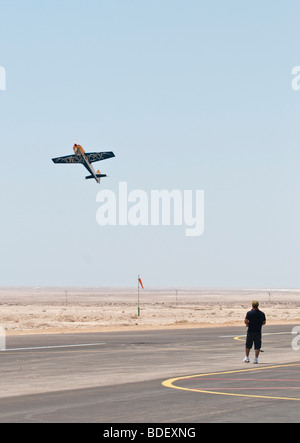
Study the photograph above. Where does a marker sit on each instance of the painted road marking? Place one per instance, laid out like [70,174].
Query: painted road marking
[52,347]
[267,333]
[170,383]
[242,337]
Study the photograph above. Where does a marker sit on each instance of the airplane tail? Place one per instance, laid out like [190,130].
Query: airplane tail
[98,175]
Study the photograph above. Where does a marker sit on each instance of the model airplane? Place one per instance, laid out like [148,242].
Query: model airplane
[85,158]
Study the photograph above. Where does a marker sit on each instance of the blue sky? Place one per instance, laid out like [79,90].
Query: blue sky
[189,95]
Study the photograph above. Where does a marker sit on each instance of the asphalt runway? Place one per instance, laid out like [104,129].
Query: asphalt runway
[170,376]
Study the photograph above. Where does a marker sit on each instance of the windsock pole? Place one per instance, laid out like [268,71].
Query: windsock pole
[139,311]
[139,283]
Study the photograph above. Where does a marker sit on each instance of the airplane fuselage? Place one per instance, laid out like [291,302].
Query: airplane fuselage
[78,150]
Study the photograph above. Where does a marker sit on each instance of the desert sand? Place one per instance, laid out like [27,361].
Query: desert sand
[62,310]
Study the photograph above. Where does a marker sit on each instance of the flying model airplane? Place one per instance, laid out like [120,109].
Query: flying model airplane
[85,158]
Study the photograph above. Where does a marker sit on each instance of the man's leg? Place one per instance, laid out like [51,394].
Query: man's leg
[249,343]
[257,345]
[246,359]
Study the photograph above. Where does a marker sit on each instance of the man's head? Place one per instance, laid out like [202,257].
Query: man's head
[255,304]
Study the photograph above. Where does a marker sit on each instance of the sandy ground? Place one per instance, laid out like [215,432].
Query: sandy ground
[49,310]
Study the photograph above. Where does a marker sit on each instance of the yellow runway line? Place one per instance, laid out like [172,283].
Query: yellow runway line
[170,383]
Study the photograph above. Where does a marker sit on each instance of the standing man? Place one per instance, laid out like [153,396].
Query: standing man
[255,319]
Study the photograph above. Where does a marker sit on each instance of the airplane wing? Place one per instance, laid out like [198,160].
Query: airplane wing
[68,159]
[97,156]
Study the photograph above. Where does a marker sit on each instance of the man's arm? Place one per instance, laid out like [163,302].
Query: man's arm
[246,322]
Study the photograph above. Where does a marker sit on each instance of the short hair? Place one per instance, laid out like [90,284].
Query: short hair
[255,304]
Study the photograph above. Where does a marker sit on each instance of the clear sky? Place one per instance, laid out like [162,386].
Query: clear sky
[188,94]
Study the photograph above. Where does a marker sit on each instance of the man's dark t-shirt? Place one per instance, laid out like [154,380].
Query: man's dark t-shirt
[256,319]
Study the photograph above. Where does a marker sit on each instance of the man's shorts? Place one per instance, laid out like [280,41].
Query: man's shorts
[253,337]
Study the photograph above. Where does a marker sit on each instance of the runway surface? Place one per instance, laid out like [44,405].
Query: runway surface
[170,376]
